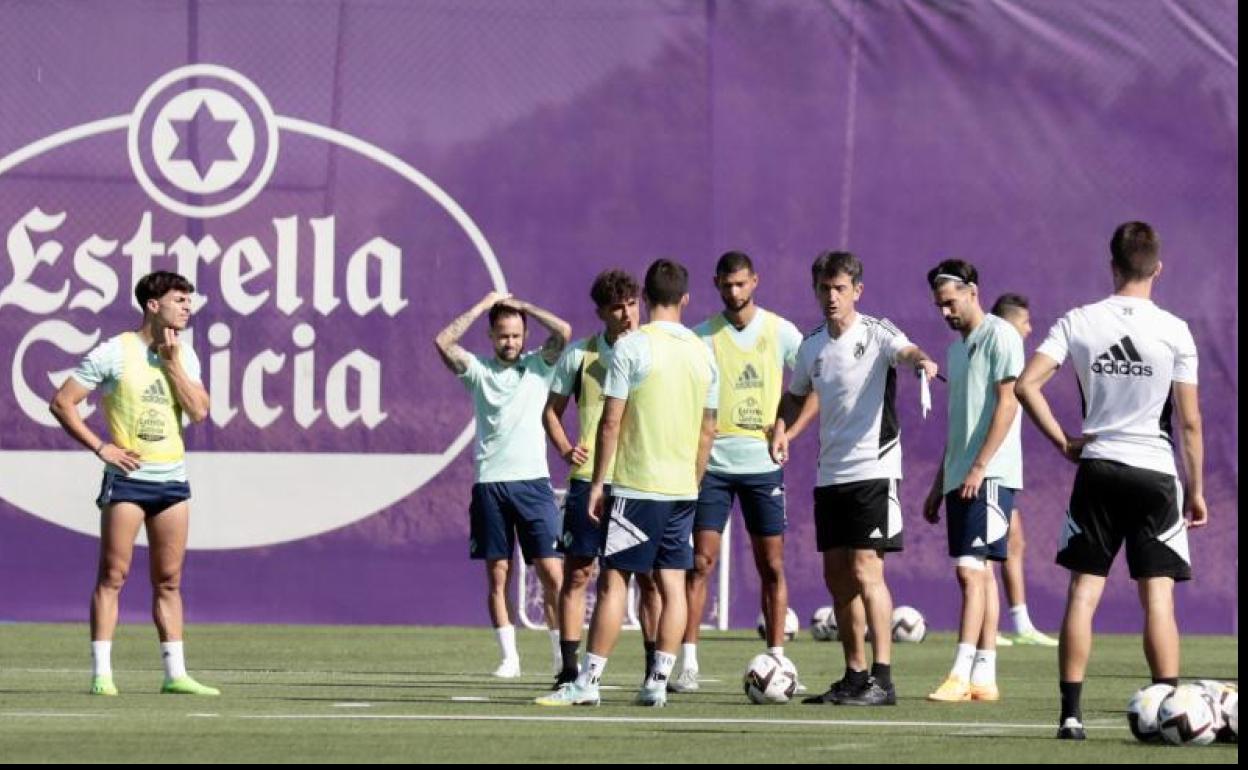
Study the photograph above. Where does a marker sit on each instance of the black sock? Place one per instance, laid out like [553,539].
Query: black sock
[650,648]
[882,673]
[567,649]
[1071,692]
[1173,681]
[856,678]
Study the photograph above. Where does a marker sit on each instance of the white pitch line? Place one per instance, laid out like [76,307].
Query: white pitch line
[843,747]
[469,676]
[597,720]
[673,720]
[49,715]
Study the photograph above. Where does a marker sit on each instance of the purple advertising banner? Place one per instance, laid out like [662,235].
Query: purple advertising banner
[341,179]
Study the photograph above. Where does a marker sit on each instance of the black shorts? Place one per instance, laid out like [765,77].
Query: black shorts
[863,515]
[1113,503]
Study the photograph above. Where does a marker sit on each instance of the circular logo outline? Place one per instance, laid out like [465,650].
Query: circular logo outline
[270,132]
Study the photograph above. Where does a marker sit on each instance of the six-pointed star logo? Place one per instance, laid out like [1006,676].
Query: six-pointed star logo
[203,141]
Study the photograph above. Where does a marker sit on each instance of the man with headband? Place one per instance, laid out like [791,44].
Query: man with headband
[982,469]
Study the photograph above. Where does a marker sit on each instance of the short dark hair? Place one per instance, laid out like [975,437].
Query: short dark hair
[158,284]
[1136,250]
[832,263]
[503,310]
[1009,303]
[612,287]
[952,269]
[732,262]
[666,282]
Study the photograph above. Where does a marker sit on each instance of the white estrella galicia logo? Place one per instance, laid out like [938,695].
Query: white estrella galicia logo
[203,142]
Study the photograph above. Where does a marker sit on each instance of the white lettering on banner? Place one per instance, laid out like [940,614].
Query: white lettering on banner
[65,337]
[242,264]
[323,298]
[390,262]
[366,369]
[24,258]
[189,254]
[260,413]
[305,376]
[288,300]
[233,278]
[219,408]
[141,249]
[369,371]
[96,273]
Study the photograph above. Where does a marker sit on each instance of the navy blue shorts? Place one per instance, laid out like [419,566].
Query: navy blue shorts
[645,535]
[582,538]
[980,527]
[152,496]
[762,502]
[503,510]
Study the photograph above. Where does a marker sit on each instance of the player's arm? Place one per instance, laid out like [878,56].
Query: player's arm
[809,410]
[931,504]
[560,330]
[794,425]
[998,428]
[706,437]
[64,408]
[914,356]
[191,395]
[607,440]
[788,424]
[447,340]
[1029,391]
[798,405]
[552,421]
[1187,405]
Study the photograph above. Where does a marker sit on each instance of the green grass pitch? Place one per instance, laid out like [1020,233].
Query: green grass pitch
[407,694]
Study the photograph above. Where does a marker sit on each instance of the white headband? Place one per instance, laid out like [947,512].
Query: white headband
[947,277]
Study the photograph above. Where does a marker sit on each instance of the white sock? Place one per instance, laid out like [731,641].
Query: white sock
[554,648]
[985,670]
[689,657]
[662,669]
[963,660]
[506,636]
[1022,621]
[777,651]
[175,662]
[101,658]
[591,670]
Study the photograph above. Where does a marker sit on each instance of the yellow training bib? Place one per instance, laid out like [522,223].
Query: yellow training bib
[658,450]
[749,380]
[589,404]
[142,412]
